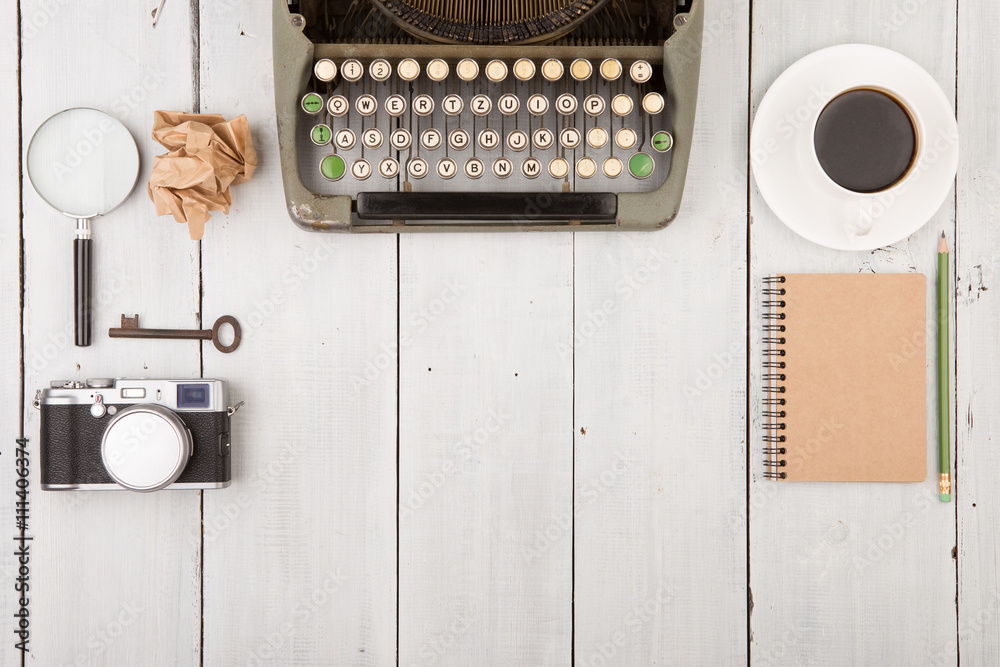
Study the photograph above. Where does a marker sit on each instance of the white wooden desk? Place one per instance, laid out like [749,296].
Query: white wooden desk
[534,449]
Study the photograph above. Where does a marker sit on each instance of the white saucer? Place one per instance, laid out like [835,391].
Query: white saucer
[793,183]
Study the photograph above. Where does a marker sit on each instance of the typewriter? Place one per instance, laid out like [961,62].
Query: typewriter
[461,115]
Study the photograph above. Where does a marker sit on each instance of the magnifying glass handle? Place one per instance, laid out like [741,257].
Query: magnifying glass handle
[83,252]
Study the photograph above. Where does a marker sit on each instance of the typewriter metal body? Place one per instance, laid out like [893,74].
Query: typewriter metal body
[453,115]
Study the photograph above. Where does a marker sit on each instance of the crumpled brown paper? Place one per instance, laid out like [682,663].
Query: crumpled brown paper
[207,155]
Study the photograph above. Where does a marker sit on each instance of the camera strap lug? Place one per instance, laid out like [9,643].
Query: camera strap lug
[37,403]
[234,409]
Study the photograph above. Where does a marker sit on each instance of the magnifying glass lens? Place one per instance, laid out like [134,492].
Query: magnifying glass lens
[83,162]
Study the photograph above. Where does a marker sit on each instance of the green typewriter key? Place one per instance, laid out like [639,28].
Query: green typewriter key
[663,142]
[640,165]
[321,135]
[312,103]
[332,167]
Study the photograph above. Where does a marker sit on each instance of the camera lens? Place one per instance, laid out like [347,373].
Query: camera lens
[193,396]
[145,447]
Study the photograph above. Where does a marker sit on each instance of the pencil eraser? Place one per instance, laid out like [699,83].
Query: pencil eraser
[946,497]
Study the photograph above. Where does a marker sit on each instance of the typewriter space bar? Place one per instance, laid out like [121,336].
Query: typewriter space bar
[510,207]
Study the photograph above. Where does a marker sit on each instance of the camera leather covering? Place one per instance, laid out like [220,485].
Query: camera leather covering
[71,446]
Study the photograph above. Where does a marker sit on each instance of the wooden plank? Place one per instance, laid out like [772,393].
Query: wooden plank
[306,535]
[116,573]
[660,403]
[848,573]
[485,449]
[978,311]
[10,320]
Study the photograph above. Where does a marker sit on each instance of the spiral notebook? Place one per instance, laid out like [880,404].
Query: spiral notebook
[845,377]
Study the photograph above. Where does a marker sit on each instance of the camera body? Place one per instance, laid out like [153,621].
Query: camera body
[141,435]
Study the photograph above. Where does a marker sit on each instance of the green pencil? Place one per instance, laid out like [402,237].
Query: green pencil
[944,395]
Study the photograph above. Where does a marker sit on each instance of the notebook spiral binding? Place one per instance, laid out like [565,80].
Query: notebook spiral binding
[773,377]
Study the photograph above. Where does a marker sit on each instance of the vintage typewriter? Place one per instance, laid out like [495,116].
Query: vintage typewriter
[448,115]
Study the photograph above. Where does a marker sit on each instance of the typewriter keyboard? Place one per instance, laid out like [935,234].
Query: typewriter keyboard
[501,125]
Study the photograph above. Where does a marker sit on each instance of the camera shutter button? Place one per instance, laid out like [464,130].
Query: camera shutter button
[98,409]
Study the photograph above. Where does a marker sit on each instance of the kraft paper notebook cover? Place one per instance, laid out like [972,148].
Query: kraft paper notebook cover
[845,377]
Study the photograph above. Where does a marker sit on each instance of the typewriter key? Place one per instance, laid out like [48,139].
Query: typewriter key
[437,70]
[408,69]
[581,69]
[388,167]
[566,104]
[312,104]
[459,139]
[570,138]
[641,165]
[345,139]
[640,71]
[467,69]
[371,138]
[332,167]
[538,105]
[361,170]
[431,139]
[395,105]
[423,105]
[558,168]
[380,70]
[543,139]
[517,141]
[481,105]
[662,142]
[586,167]
[625,138]
[597,137]
[524,70]
[622,105]
[338,105]
[613,167]
[400,139]
[552,69]
[474,168]
[453,105]
[531,168]
[352,70]
[653,103]
[489,139]
[594,105]
[496,71]
[321,135]
[366,105]
[446,168]
[509,104]
[417,167]
[502,168]
[611,69]
[325,70]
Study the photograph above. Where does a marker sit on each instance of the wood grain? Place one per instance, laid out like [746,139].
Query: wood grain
[847,573]
[306,535]
[660,342]
[116,572]
[977,257]
[485,449]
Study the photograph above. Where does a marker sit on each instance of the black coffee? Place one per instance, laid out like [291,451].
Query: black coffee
[865,140]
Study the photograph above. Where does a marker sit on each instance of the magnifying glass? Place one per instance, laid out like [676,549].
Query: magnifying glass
[83,163]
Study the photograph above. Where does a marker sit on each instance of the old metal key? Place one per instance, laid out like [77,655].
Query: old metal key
[130,329]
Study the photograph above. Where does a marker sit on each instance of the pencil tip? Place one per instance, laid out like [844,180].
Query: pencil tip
[943,245]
